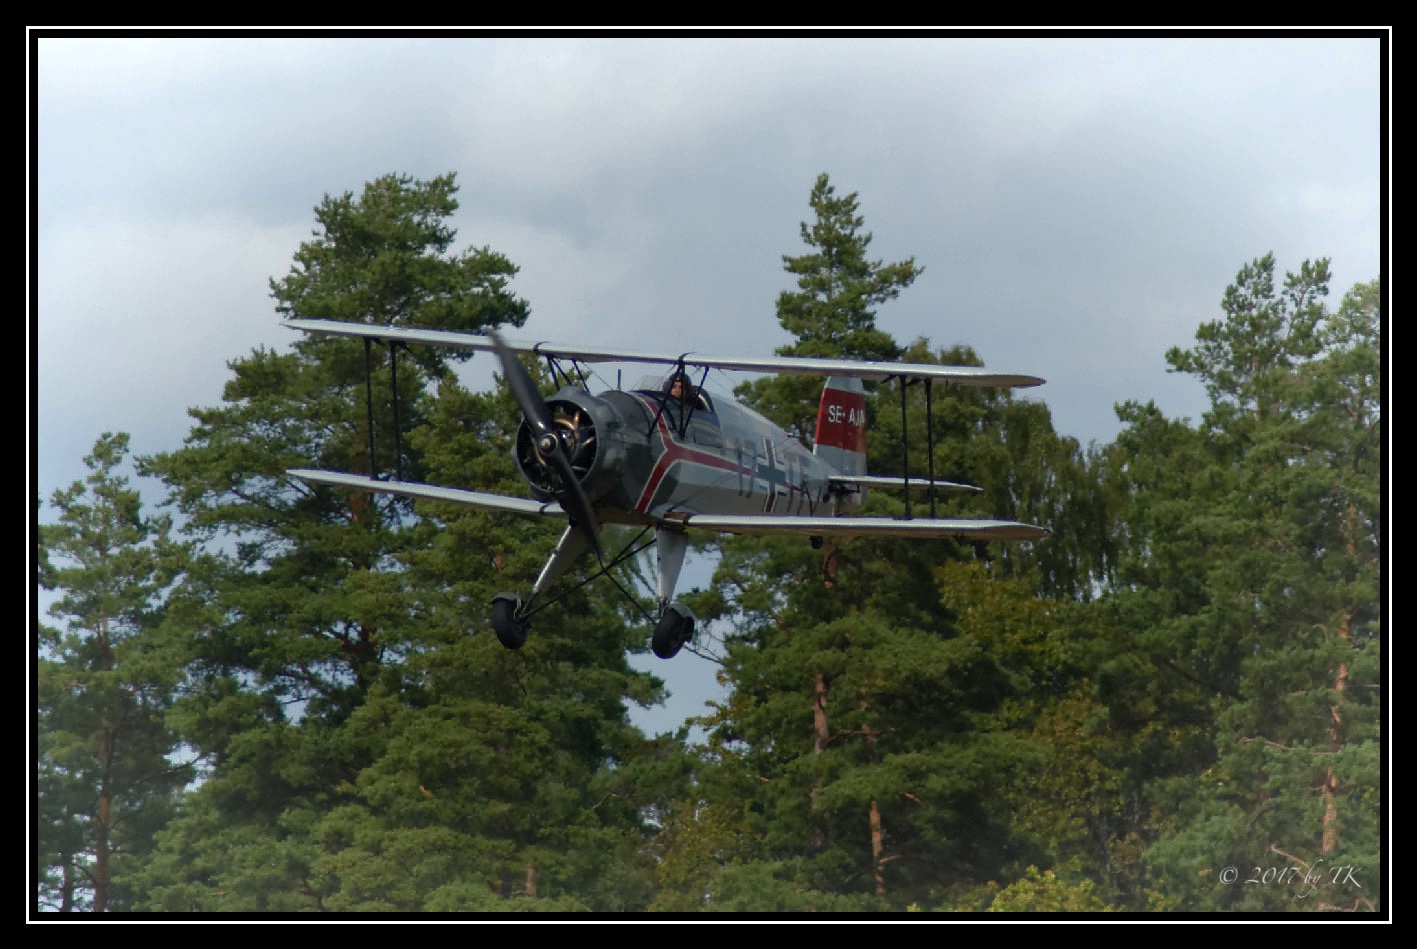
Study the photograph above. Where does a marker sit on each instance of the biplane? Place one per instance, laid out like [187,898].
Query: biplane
[669,456]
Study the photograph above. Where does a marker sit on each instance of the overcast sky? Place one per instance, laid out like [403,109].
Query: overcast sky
[1078,205]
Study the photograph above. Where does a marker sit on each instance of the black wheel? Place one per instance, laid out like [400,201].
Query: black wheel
[511,628]
[674,629]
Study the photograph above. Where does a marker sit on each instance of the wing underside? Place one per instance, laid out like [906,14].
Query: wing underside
[790,365]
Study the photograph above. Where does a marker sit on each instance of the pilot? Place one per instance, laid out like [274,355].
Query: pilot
[679,387]
[683,391]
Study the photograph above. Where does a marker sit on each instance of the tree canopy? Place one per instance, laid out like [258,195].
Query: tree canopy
[281,699]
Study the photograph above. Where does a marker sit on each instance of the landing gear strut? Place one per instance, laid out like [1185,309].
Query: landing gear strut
[674,629]
[511,615]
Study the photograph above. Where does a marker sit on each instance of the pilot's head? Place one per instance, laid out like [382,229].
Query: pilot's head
[679,387]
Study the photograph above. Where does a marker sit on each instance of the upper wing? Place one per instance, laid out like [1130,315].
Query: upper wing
[960,375]
[864,526]
[414,489]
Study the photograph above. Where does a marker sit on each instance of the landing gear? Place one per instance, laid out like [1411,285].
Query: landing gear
[508,622]
[674,629]
[511,615]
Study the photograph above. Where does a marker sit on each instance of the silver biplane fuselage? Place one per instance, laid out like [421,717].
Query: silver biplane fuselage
[657,456]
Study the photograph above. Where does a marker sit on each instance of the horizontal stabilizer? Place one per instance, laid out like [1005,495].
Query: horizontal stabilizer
[891,481]
[431,492]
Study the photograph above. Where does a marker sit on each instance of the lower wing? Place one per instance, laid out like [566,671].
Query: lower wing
[432,492]
[962,528]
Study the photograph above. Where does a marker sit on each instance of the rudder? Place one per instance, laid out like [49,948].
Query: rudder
[841,425]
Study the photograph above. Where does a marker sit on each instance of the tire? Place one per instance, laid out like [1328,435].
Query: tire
[511,629]
[674,629]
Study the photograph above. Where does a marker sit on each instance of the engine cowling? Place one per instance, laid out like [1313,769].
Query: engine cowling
[587,429]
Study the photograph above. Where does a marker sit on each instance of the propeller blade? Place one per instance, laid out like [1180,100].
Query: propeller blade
[571,496]
[529,400]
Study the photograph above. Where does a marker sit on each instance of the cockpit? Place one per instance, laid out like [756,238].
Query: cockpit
[676,390]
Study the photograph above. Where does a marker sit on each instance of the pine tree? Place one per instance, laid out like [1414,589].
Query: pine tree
[307,609]
[1252,586]
[833,310]
[853,762]
[370,745]
[108,765]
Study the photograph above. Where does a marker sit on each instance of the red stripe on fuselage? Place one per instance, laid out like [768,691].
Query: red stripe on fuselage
[675,452]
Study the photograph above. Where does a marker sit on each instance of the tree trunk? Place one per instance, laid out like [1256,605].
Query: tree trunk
[66,898]
[877,847]
[820,733]
[1329,840]
[878,859]
[1335,735]
[105,816]
[107,743]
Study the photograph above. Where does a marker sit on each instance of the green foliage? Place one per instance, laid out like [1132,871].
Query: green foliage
[1176,692]
[1249,586]
[386,258]
[857,759]
[1044,892]
[1246,360]
[1006,446]
[832,312]
[369,745]
[107,775]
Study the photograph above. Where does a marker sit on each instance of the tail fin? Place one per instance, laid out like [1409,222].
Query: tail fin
[841,425]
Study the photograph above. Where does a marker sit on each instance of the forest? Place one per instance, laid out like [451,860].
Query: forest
[267,697]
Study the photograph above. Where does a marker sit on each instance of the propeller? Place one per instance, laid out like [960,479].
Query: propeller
[550,446]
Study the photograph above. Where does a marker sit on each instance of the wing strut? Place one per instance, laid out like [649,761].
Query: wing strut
[905,444]
[369,406]
[929,442]
[373,471]
[553,366]
[398,431]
